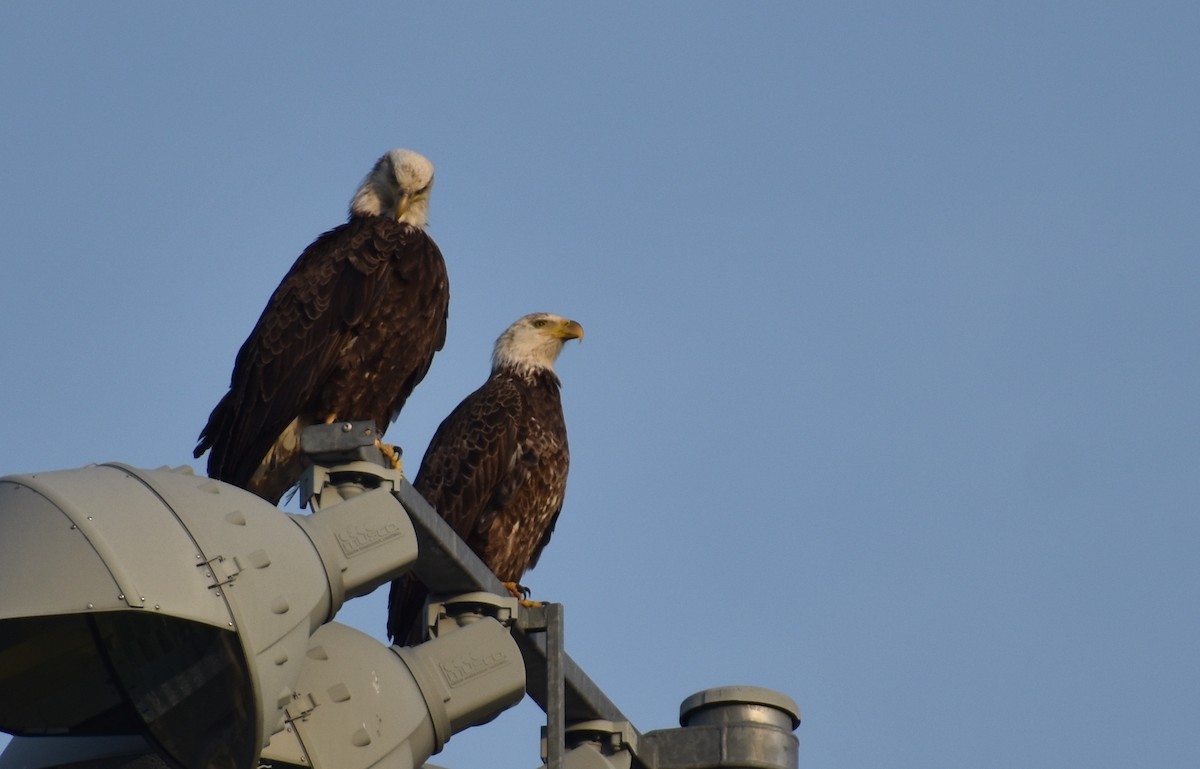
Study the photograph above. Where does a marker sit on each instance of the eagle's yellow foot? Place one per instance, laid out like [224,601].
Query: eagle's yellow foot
[393,458]
[520,592]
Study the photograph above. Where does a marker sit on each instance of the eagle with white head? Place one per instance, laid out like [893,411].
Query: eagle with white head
[496,469]
[348,334]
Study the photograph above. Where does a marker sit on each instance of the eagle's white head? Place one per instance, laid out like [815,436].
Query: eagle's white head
[534,342]
[398,186]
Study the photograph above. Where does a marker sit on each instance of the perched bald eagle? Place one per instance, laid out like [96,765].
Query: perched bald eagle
[496,469]
[347,335]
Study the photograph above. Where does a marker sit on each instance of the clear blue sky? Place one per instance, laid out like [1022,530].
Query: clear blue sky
[889,398]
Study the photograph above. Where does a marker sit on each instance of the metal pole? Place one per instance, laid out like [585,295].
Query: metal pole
[555,697]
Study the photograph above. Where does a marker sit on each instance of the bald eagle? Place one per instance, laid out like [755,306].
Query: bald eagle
[347,335]
[496,469]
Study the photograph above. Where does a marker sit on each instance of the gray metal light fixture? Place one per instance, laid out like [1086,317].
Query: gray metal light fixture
[364,705]
[189,612]
[155,619]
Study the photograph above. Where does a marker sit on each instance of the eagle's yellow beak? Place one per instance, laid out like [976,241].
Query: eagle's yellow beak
[569,330]
[403,205]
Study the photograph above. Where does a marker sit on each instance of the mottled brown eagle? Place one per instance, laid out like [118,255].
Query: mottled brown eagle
[496,469]
[347,335]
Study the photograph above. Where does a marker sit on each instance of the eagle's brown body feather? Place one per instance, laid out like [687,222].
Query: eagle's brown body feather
[350,331]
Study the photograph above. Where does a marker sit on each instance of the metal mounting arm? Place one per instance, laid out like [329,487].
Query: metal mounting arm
[570,698]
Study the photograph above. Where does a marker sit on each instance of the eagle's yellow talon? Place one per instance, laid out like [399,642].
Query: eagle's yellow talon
[392,457]
[519,592]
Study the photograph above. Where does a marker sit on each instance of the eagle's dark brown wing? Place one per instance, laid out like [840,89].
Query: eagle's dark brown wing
[350,331]
[496,472]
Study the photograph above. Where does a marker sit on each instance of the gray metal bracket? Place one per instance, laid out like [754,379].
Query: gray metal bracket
[448,564]
[547,618]
[344,462]
[720,727]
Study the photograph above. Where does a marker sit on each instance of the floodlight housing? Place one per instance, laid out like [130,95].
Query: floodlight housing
[364,706]
[159,603]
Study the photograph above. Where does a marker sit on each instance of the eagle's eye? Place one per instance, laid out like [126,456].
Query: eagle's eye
[540,322]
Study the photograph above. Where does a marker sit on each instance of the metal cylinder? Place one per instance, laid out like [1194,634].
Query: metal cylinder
[727,705]
[730,727]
